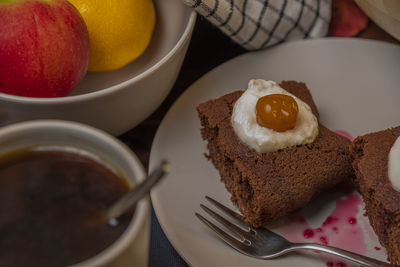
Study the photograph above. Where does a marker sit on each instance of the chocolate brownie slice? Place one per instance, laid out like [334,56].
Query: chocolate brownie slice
[266,186]
[382,202]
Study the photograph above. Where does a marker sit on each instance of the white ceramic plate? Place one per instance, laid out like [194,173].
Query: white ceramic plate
[356,86]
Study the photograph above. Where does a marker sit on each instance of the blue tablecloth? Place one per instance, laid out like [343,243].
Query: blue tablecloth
[162,253]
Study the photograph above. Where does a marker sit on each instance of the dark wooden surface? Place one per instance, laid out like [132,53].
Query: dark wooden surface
[208,48]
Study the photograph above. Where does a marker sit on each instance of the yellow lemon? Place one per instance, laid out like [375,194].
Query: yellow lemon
[119,30]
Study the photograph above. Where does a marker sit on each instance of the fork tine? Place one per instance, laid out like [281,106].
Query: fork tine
[234,215]
[230,240]
[230,226]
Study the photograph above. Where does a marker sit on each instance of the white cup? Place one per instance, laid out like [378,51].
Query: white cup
[131,248]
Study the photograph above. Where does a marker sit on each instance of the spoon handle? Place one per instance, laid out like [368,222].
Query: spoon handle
[139,191]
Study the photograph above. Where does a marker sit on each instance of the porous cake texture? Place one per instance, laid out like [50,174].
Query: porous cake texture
[382,202]
[266,186]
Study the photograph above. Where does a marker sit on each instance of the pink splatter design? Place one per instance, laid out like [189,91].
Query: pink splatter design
[323,240]
[308,233]
[341,228]
[338,264]
[336,230]
[350,236]
[352,220]
[345,134]
[329,220]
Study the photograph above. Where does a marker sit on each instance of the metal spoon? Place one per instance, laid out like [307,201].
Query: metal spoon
[139,191]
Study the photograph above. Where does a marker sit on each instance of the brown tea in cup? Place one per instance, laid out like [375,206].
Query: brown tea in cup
[51,207]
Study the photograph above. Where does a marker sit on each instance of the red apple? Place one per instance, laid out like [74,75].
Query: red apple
[44,47]
[347,19]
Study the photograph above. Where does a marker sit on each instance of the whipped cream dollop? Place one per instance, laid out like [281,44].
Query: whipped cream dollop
[394,165]
[262,139]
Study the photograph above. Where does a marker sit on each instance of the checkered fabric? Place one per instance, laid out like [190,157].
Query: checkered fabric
[255,24]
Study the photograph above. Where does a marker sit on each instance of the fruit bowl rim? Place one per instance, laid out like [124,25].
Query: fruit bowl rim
[100,93]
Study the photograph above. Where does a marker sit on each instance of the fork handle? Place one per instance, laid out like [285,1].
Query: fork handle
[362,260]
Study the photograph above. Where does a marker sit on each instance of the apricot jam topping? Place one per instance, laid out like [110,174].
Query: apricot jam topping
[277,112]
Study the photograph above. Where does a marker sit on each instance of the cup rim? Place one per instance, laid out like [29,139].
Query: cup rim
[92,95]
[142,206]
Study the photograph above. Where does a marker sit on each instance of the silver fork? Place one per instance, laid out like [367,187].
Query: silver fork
[263,244]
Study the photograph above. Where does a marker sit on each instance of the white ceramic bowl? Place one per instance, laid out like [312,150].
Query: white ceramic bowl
[117,101]
[131,248]
[385,13]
